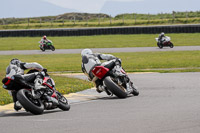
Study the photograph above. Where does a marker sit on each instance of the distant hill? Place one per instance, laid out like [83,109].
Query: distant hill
[82,16]
[145,6]
[29,8]
[58,18]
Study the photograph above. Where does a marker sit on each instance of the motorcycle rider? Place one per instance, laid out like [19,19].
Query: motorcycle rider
[44,40]
[161,36]
[15,71]
[91,60]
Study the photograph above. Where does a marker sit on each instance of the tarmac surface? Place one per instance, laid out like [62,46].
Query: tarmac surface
[168,103]
[105,50]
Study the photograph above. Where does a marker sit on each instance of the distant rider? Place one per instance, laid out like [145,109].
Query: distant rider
[161,36]
[90,60]
[44,40]
[15,71]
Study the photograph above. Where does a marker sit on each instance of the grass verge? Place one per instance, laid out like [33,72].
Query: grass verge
[188,61]
[100,41]
[64,85]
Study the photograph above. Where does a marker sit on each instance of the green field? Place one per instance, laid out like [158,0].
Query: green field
[101,41]
[105,23]
[132,62]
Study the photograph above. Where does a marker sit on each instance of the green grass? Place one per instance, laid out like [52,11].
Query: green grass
[64,85]
[63,63]
[132,62]
[101,41]
[128,21]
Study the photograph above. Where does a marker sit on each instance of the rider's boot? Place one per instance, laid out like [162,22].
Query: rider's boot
[100,88]
[17,105]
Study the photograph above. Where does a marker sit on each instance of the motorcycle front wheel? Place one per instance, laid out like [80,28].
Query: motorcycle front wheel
[115,88]
[35,106]
[63,102]
[160,45]
[52,48]
[171,45]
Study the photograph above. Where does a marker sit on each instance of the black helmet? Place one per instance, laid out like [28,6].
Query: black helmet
[15,61]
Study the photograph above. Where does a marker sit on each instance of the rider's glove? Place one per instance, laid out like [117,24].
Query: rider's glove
[44,70]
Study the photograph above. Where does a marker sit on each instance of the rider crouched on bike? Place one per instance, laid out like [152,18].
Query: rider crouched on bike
[161,36]
[15,71]
[91,60]
[44,40]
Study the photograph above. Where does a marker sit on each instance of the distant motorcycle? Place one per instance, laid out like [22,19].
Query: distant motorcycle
[36,101]
[115,80]
[46,45]
[166,42]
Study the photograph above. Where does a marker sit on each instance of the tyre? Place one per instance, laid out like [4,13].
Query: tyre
[52,48]
[42,48]
[171,45]
[160,45]
[114,88]
[63,103]
[135,91]
[36,107]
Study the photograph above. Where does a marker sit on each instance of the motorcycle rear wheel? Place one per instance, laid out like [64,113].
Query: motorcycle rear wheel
[42,48]
[114,88]
[36,107]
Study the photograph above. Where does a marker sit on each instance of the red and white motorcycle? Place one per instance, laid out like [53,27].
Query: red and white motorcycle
[166,42]
[114,79]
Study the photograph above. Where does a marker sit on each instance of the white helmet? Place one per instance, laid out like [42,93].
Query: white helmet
[162,33]
[86,51]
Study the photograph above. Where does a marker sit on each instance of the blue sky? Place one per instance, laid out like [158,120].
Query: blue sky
[37,8]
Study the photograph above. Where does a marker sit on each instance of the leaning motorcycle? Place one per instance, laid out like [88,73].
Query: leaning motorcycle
[36,101]
[166,42]
[114,79]
[47,45]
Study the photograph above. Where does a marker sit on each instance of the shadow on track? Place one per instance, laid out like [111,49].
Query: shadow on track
[24,114]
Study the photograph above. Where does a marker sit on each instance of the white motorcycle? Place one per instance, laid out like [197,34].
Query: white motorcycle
[166,42]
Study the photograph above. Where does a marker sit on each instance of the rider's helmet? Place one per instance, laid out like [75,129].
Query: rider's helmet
[44,37]
[86,51]
[15,61]
[162,33]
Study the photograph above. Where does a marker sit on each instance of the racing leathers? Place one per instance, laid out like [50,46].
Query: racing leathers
[89,61]
[44,41]
[160,38]
[16,72]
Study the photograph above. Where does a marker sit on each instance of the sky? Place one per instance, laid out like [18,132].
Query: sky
[97,5]
[93,6]
[37,8]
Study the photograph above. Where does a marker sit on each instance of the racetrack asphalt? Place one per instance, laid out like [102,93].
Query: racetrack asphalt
[104,50]
[168,103]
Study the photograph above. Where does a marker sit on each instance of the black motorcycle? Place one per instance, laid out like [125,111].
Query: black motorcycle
[36,101]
